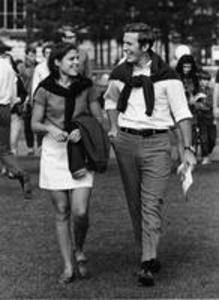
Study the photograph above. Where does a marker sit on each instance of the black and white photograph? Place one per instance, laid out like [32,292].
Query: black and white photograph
[109,149]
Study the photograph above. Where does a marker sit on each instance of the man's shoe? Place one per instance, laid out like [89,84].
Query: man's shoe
[154,265]
[26,185]
[145,276]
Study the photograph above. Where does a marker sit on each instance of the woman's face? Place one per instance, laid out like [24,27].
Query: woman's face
[187,67]
[69,64]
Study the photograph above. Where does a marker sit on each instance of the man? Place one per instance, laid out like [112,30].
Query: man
[41,71]
[7,100]
[68,35]
[142,95]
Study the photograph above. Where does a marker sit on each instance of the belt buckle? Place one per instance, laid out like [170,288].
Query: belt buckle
[147,132]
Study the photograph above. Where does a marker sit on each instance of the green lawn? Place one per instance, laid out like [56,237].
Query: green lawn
[30,261]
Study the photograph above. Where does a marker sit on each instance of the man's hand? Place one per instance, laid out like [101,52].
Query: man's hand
[74,136]
[189,159]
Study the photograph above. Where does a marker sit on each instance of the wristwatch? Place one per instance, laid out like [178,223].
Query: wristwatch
[191,149]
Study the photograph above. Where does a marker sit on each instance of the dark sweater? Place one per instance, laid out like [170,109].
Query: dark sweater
[92,151]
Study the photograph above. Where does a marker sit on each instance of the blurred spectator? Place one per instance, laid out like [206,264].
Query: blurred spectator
[69,35]
[188,73]
[17,109]
[203,111]
[7,101]
[41,71]
[26,71]
[216,96]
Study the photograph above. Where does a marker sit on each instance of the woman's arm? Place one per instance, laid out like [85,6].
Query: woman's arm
[37,119]
[39,127]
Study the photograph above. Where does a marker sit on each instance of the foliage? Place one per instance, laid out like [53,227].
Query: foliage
[193,20]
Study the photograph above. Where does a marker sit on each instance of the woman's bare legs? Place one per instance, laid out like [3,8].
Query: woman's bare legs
[61,203]
[80,209]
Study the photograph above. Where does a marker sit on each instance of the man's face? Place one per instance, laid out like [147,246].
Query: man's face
[47,53]
[31,57]
[69,37]
[132,48]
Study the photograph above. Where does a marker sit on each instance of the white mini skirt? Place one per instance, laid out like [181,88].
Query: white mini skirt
[54,172]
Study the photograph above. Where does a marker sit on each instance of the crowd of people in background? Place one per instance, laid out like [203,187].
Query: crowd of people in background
[35,96]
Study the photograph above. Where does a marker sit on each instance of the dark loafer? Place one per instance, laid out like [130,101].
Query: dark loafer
[154,265]
[145,276]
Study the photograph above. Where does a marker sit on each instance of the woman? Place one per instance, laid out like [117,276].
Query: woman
[187,71]
[63,95]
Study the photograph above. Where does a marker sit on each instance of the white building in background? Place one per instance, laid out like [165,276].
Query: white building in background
[12,25]
[12,16]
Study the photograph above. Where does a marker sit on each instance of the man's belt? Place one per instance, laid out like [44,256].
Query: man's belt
[143,132]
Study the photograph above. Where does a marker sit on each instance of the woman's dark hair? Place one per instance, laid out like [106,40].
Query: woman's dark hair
[186,59]
[58,52]
[192,74]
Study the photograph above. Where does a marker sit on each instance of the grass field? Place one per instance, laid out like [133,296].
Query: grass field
[30,261]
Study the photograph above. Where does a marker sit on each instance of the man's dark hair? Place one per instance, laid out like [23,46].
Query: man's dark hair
[146,34]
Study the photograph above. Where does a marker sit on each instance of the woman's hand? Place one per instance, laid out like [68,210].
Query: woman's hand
[74,136]
[57,134]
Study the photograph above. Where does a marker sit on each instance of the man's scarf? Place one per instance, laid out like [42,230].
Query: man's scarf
[78,85]
[159,71]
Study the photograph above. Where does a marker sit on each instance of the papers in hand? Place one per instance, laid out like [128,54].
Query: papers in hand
[185,173]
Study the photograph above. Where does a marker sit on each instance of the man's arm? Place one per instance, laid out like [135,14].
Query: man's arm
[186,131]
[111,97]
[113,119]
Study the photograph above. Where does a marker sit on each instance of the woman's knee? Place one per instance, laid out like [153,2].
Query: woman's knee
[62,213]
[80,213]
[62,207]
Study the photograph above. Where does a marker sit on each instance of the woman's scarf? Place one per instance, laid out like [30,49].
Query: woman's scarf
[159,71]
[78,85]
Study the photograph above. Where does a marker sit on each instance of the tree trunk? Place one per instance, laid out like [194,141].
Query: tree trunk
[95,53]
[101,54]
[109,52]
[166,44]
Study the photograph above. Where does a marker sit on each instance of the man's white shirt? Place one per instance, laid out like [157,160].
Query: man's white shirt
[170,100]
[8,83]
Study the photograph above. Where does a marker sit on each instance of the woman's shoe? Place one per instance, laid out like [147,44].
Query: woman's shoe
[66,278]
[81,265]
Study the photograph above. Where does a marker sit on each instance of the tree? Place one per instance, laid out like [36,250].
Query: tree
[193,20]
